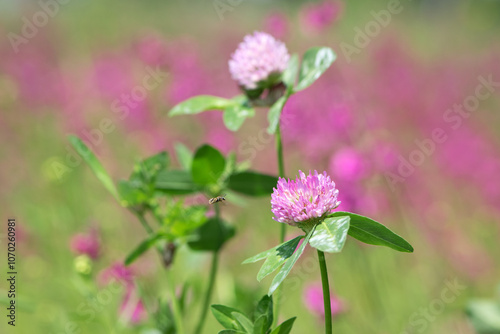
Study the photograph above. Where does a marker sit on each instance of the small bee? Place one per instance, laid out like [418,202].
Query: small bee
[217,199]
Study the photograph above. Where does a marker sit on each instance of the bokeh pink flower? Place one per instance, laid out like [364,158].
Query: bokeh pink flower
[319,16]
[258,57]
[86,244]
[313,299]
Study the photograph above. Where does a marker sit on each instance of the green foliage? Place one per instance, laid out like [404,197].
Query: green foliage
[291,72]
[143,247]
[94,164]
[235,321]
[277,258]
[235,115]
[371,232]
[330,235]
[176,182]
[200,103]
[484,316]
[274,113]
[314,63]
[285,270]
[207,166]
[285,327]
[184,155]
[252,183]
[211,236]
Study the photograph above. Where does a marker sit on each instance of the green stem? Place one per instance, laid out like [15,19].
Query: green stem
[175,303]
[144,223]
[211,282]
[326,292]
[179,326]
[281,173]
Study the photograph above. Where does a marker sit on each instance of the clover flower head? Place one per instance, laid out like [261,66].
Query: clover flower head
[307,198]
[257,58]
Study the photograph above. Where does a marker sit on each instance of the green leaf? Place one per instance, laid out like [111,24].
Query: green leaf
[274,113]
[244,321]
[484,315]
[264,312]
[130,194]
[145,171]
[175,182]
[252,183]
[94,164]
[235,115]
[211,236]
[156,162]
[260,325]
[330,235]
[208,166]
[199,104]
[291,72]
[285,327]
[315,62]
[269,252]
[184,155]
[143,247]
[229,331]
[225,316]
[371,232]
[285,270]
[182,221]
[277,258]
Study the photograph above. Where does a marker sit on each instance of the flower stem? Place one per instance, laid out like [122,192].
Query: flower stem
[281,173]
[179,326]
[326,292]
[211,282]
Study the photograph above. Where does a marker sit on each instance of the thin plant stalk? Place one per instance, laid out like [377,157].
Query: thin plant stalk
[176,308]
[281,173]
[211,282]
[144,223]
[175,303]
[326,292]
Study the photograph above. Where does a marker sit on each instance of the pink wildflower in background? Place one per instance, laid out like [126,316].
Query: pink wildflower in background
[307,197]
[313,298]
[316,17]
[348,164]
[277,25]
[256,58]
[132,308]
[117,272]
[86,243]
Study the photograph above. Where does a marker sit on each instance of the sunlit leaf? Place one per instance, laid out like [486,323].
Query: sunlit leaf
[199,104]
[285,270]
[330,235]
[371,232]
[315,62]
[274,113]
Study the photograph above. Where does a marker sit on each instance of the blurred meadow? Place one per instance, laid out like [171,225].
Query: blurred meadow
[385,106]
